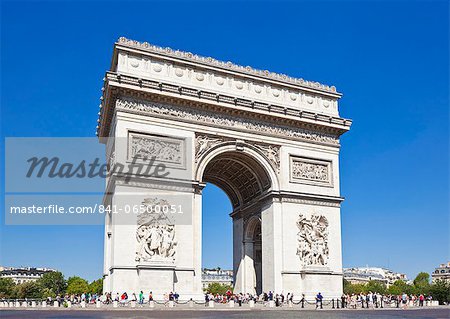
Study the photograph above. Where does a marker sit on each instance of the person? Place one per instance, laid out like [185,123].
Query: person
[404,301]
[123,299]
[150,296]
[277,300]
[421,299]
[319,298]
[343,301]
[369,299]
[141,298]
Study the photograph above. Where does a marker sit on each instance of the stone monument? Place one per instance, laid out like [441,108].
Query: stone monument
[270,141]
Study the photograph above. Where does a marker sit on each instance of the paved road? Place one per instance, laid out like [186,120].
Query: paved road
[438,313]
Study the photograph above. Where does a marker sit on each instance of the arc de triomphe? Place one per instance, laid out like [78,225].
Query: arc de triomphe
[271,142]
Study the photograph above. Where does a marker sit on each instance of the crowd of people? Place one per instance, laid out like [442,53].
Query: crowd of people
[350,301]
[376,300]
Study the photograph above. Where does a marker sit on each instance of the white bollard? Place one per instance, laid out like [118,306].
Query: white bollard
[231,303]
[33,304]
[115,304]
[11,304]
[171,304]
[151,303]
[211,304]
[44,304]
[191,303]
[24,304]
[69,304]
[290,304]
[251,303]
[83,304]
[98,304]
[17,304]
[55,304]
[133,304]
[271,303]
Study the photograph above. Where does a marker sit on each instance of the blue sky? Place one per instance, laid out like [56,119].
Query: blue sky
[390,59]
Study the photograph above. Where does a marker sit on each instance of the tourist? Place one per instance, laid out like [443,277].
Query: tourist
[344,299]
[141,298]
[369,299]
[404,301]
[206,299]
[421,299]
[150,296]
[375,300]
[319,299]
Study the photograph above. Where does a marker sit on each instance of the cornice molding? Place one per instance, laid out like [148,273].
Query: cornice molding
[115,82]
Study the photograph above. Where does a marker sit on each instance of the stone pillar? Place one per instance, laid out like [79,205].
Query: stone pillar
[272,251]
[238,255]
[249,268]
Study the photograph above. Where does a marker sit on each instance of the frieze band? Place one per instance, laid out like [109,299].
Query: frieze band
[139,106]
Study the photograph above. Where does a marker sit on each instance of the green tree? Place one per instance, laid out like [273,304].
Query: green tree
[350,288]
[29,290]
[77,285]
[422,283]
[375,286]
[400,287]
[96,287]
[52,282]
[217,288]
[440,290]
[6,288]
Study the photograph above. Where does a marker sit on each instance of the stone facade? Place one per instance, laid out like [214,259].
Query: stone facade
[442,272]
[271,142]
[23,274]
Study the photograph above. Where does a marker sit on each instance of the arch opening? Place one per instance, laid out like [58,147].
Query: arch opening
[245,181]
[240,176]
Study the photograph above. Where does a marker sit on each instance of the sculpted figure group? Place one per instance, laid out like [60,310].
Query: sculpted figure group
[313,240]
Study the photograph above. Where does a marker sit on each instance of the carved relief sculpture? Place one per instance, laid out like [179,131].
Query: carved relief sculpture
[310,171]
[272,153]
[204,143]
[155,236]
[139,106]
[162,149]
[313,240]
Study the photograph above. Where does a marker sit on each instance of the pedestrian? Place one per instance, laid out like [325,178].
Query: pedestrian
[319,299]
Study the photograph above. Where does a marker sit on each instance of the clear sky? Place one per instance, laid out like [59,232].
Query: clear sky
[390,59]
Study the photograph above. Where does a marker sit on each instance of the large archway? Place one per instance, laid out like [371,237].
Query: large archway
[246,182]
